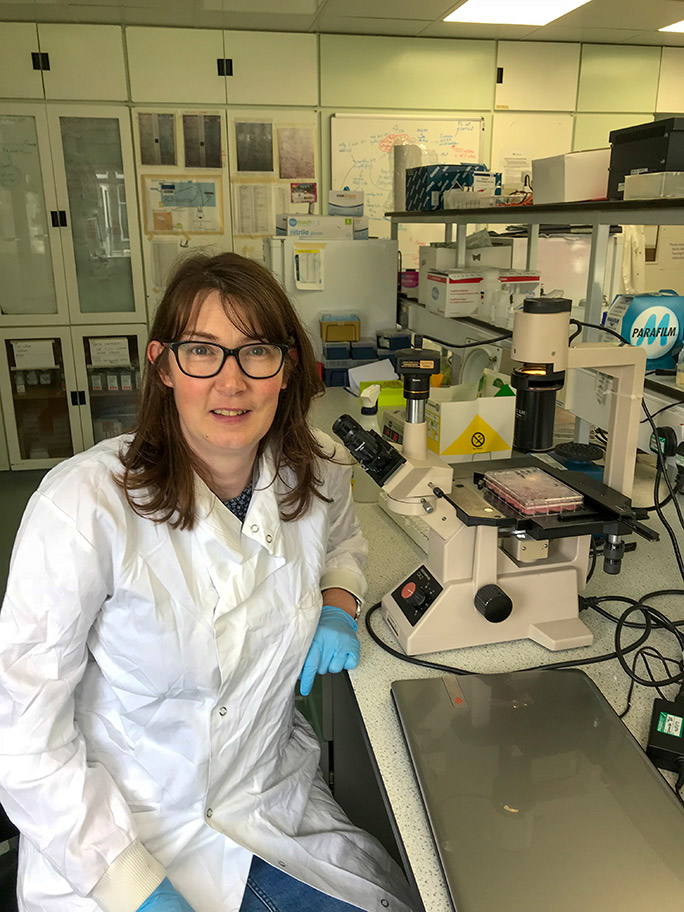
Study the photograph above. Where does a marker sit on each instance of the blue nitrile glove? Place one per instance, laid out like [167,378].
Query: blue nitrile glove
[165,899]
[335,646]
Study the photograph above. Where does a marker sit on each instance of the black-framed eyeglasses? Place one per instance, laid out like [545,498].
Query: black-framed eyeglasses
[257,360]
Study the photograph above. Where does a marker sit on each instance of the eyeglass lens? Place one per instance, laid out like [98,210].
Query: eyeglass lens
[202,359]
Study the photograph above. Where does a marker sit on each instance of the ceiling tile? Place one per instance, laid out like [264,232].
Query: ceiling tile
[182,15]
[574,33]
[389,9]
[669,39]
[289,8]
[263,22]
[632,14]
[474,30]
[356,26]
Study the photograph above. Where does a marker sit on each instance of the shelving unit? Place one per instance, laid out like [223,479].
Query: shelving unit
[598,216]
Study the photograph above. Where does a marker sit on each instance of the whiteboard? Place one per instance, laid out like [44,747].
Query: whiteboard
[362,158]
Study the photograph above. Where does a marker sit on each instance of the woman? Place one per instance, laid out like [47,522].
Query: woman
[164,592]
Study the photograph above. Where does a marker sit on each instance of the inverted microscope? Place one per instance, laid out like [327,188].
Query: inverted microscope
[509,544]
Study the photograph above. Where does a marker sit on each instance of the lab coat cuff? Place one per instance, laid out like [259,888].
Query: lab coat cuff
[129,880]
[341,578]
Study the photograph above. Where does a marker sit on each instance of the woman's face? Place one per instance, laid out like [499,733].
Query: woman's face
[225,415]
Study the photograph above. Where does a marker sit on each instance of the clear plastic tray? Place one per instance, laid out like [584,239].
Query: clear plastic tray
[532,491]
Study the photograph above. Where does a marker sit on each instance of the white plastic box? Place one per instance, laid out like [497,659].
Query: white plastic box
[572,177]
[313,227]
[345,202]
[654,185]
[454,293]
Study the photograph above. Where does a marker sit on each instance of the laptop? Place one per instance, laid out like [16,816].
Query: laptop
[538,797]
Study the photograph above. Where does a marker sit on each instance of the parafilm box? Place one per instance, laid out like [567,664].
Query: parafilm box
[454,293]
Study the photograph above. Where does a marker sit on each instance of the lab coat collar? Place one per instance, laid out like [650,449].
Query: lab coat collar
[262,523]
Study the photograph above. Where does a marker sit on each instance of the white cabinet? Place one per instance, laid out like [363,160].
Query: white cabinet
[176,65]
[64,389]
[58,61]
[619,77]
[670,96]
[380,72]
[94,174]
[4,455]
[271,68]
[18,76]
[33,287]
[536,76]
[86,62]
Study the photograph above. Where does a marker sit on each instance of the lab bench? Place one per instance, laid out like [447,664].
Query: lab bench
[392,555]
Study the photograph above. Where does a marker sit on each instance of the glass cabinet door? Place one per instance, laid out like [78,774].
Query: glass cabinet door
[32,289]
[109,361]
[94,170]
[36,380]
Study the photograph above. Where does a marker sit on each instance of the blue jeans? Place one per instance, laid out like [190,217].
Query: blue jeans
[271,890]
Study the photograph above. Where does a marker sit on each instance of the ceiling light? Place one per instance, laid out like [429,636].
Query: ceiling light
[519,12]
[675,27]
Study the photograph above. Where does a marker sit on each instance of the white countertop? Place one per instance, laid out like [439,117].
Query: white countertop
[392,557]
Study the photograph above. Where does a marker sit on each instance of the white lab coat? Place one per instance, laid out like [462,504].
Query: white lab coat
[147,681]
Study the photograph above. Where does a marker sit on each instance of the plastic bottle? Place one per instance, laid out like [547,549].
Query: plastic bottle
[365,489]
[679,376]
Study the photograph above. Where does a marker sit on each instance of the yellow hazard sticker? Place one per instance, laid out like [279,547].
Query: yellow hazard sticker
[478,437]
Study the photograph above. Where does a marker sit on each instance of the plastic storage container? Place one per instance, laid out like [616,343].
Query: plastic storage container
[654,185]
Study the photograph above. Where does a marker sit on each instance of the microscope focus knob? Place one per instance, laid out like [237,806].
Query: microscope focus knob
[414,596]
[493,603]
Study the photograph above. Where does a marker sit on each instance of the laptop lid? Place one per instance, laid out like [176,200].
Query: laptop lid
[538,797]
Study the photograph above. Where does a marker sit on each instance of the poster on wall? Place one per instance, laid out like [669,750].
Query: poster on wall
[254,146]
[183,204]
[296,155]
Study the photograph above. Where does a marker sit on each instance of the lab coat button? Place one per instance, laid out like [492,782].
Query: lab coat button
[254,527]
[282,864]
[222,711]
[384,902]
[269,539]
[209,812]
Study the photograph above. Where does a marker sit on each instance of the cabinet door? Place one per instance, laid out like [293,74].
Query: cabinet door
[109,361]
[4,455]
[670,98]
[536,76]
[93,158]
[39,396]
[376,72]
[175,65]
[618,78]
[271,68]
[33,288]
[18,78]
[86,62]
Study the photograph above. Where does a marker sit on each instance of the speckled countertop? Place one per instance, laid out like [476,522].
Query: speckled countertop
[392,557]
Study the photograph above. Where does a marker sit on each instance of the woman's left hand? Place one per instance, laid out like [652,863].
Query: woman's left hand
[335,646]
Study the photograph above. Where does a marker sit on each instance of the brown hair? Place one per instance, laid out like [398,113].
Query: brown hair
[158,465]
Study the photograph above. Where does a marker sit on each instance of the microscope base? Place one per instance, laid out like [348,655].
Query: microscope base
[545,609]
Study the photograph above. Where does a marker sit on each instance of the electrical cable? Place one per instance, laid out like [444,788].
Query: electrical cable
[678,488]
[500,338]
[663,409]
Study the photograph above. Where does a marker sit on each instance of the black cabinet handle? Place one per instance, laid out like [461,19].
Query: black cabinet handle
[229,66]
[224,66]
[78,397]
[40,61]
[54,218]
[62,219]
[499,75]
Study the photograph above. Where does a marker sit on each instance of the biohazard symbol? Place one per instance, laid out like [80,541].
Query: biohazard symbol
[478,437]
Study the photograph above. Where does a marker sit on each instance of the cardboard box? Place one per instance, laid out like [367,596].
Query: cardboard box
[454,293]
[434,256]
[468,430]
[345,202]
[330,227]
[571,177]
[425,185]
